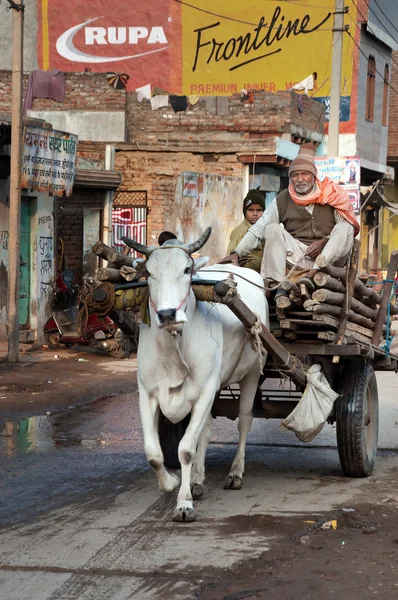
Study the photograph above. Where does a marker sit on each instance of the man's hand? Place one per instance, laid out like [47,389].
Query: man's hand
[316,248]
[232,258]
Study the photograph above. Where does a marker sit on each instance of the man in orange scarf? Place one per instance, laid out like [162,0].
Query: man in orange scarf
[317,218]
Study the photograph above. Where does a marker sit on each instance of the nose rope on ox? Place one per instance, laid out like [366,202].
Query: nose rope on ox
[179,306]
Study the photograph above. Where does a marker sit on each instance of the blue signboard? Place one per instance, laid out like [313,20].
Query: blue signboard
[345,102]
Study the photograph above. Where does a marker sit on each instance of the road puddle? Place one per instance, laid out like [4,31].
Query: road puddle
[39,434]
[109,423]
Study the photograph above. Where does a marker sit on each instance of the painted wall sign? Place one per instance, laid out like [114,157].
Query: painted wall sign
[48,161]
[211,47]
[345,107]
[190,185]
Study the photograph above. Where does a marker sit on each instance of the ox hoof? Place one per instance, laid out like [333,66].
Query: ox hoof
[197,490]
[184,514]
[233,482]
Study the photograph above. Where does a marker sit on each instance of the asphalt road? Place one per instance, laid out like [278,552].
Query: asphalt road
[81,516]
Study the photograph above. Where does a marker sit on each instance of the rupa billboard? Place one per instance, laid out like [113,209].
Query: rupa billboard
[211,47]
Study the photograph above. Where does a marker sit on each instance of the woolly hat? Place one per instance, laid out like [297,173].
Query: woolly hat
[253,197]
[304,160]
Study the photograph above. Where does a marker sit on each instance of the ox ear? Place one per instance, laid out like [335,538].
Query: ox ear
[200,262]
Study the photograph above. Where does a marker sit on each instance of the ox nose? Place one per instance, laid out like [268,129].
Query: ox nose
[167,316]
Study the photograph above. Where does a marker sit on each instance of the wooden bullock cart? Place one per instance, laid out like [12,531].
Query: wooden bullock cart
[334,319]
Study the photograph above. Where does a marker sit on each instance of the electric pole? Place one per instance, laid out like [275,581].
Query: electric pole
[15,182]
[335,87]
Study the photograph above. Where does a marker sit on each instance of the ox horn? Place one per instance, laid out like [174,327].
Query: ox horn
[139,247]
[191,248]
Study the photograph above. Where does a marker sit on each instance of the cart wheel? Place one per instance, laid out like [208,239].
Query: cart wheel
[52,339]
[170,435]
[357,419]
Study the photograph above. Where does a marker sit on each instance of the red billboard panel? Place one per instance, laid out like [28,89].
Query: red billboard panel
[141,39]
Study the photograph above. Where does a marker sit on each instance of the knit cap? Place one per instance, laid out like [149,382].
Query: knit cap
[253,197]
[304,160]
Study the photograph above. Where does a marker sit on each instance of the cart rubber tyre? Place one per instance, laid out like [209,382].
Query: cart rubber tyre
[51,338]
[170,436]
[357,419]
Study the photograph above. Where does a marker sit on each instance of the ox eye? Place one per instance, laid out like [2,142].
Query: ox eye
[188,271]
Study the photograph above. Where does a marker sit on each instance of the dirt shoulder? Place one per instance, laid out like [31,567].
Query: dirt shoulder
[41,383]
[359,559]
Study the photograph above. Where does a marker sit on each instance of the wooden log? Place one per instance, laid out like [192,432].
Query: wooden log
[304,293]
[391,273]
[335,311]
[328,282]
[348,297]
[308,282]
[287,285]
[106,274]
[282,300]
[119,260]
[337,272]
[337,299]
[128,273]
[366,294]
[309,303]
[295,296]
[102,250]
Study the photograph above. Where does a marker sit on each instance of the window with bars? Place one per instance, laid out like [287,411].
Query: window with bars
[384,115]
[370,89]
[129,218]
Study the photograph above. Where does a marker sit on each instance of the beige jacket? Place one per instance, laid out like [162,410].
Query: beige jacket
[252,260]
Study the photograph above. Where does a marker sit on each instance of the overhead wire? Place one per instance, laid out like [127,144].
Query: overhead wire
[370,31]
[363,53]
[384,14]
[227,18]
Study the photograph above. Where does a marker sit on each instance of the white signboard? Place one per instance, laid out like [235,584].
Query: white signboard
[49,161]
[344,170]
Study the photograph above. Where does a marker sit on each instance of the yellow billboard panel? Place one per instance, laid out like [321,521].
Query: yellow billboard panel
[229,45]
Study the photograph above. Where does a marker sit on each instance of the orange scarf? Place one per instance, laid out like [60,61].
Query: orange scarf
[328,192]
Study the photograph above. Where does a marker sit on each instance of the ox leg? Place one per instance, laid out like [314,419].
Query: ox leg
[198,469]
[187,449]
[149,411]
[248,388]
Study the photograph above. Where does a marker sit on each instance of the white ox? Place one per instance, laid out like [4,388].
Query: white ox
[190,351]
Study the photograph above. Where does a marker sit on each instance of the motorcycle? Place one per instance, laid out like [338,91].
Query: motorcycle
[115,333]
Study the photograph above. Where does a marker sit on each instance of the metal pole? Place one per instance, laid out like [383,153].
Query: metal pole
[108,201]
[337,55]
[15,183]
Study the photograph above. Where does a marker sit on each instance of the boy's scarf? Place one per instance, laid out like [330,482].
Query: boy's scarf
[328,192]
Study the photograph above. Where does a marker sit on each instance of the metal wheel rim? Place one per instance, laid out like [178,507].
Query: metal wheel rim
[370,423]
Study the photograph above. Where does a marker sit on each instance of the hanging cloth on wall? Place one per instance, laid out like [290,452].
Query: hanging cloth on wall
[44,84]
[178,103]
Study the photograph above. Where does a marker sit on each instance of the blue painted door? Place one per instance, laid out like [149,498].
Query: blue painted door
[24,286]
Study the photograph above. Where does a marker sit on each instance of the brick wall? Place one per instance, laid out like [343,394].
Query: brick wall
[393,111]
[247,127]
[157,174]
[69,227]
[83,91]
[90,155]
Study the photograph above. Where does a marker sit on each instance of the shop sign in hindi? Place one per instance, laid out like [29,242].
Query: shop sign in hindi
[49,161]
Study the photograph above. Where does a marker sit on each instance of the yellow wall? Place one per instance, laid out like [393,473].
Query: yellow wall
[389,228]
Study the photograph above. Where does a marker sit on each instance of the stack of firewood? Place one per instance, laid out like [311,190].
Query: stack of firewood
[311,309]
[119,269]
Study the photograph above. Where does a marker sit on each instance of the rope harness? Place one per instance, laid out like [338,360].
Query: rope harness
[90,306]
